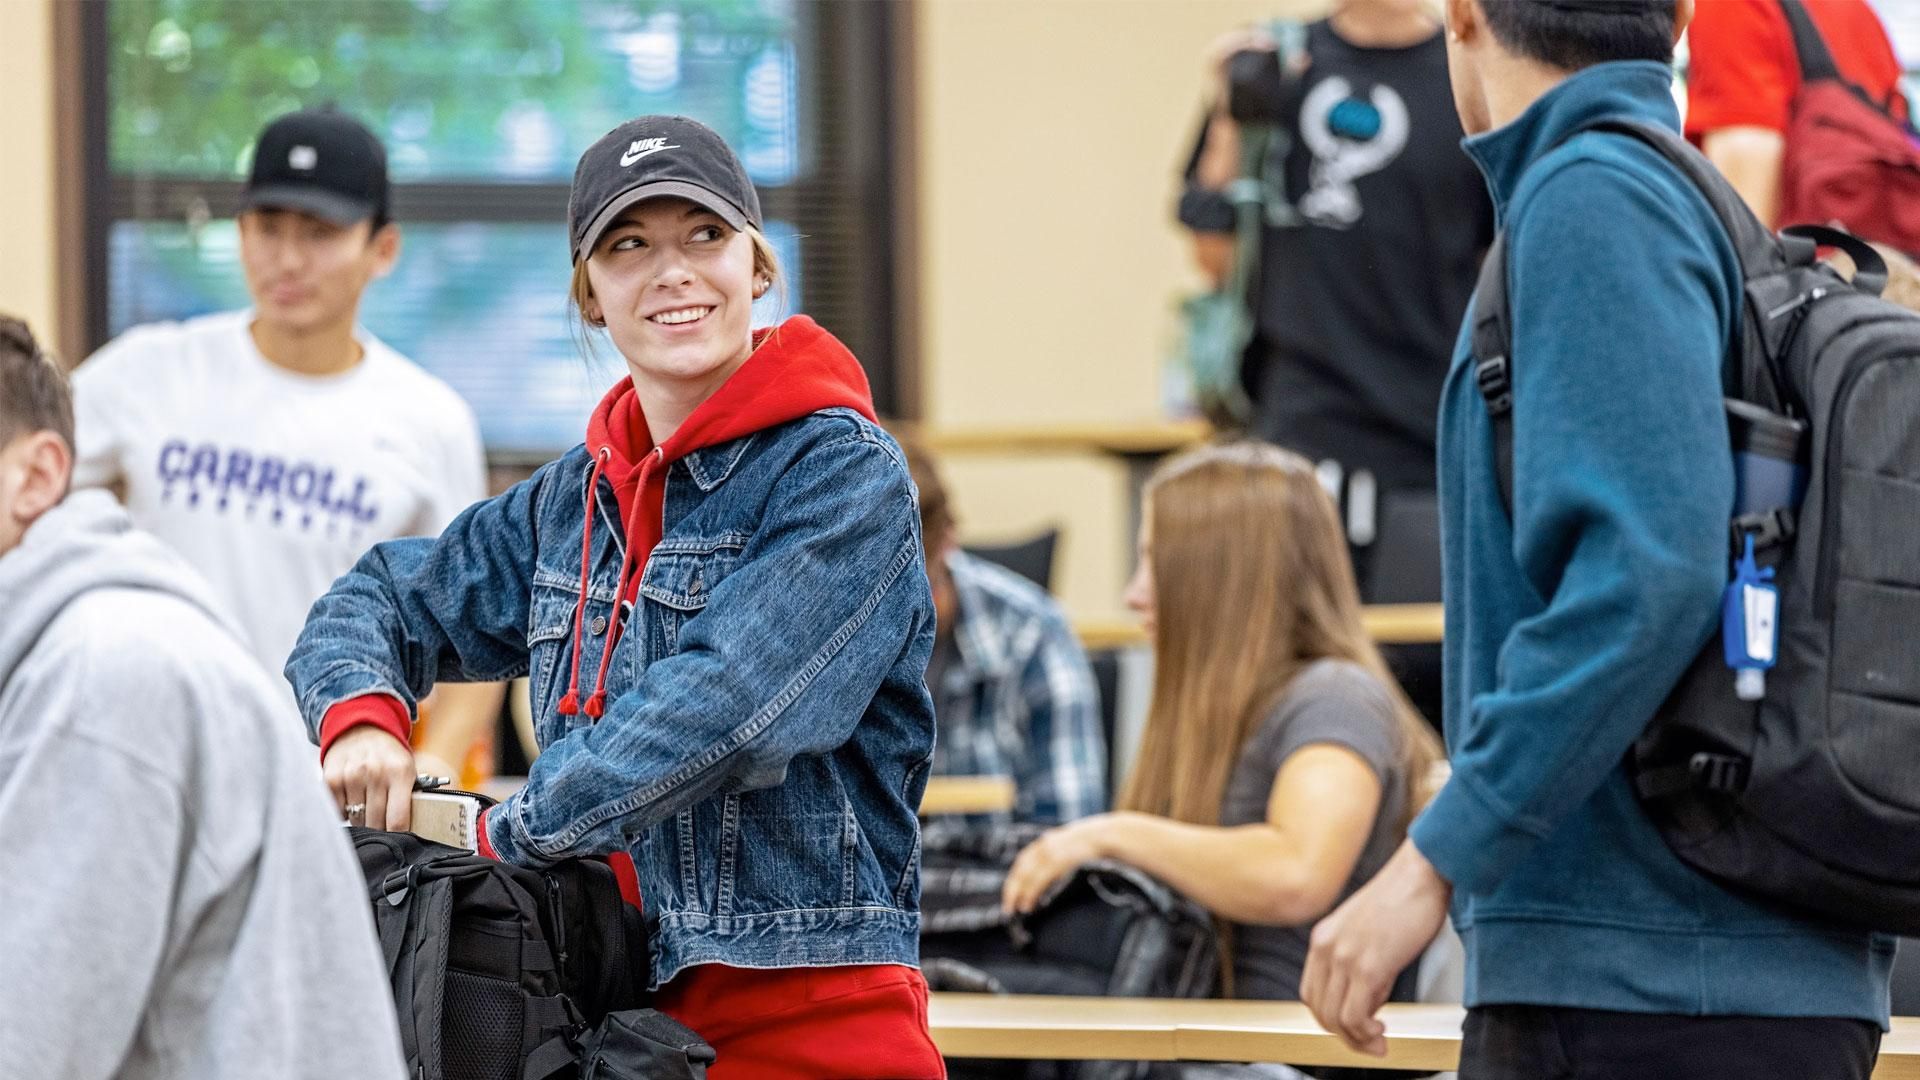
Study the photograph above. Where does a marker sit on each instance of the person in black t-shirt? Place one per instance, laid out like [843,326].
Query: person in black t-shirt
[1358,302]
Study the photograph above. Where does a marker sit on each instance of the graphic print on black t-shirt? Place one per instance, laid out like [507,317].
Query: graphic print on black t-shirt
[1359,303]
[1350,134]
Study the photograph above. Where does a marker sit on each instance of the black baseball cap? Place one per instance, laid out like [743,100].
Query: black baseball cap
[653,157]
[320,162]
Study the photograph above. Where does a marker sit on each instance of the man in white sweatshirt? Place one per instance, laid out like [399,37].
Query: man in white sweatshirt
[177,896]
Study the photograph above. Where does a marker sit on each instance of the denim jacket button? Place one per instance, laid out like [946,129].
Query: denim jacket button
[599,625]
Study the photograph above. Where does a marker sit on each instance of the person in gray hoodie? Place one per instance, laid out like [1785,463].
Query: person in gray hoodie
[177,895]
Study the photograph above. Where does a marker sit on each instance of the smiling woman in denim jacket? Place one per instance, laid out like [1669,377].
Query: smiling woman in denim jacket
[721,602]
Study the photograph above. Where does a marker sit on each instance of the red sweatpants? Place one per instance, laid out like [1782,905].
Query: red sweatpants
[838,1023]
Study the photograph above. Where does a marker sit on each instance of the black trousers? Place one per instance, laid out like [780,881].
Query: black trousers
[1529,1042]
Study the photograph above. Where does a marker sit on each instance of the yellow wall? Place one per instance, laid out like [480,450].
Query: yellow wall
[27,284]
[1048,135]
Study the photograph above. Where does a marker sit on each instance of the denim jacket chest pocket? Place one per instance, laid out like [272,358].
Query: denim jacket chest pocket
[680,576]
[550,637]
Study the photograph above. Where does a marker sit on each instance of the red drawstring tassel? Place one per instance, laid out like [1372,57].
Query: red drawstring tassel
[629,570]
[570,704]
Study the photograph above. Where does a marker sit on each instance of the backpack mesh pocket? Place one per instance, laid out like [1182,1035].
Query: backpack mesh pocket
[485,1022]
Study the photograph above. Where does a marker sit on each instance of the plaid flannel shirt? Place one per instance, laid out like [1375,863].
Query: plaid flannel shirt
[1018,700]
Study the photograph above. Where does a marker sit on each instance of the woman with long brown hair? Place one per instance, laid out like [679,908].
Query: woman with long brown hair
[1280,763]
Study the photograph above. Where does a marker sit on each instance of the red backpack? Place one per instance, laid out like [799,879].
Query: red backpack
[1849,159]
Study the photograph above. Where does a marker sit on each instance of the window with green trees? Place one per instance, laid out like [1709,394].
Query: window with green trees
[485,106]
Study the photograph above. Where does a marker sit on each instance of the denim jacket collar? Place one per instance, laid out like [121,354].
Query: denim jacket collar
[708,466]
[711,465]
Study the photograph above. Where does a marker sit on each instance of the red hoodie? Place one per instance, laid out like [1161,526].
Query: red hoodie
[796,369]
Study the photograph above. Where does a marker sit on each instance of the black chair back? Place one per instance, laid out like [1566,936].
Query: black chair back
[1031,559]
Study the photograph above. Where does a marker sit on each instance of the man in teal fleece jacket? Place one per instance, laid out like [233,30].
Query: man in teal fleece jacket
[1592,951]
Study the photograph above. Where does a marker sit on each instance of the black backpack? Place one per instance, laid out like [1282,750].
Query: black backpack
[1808,796]
[505,973]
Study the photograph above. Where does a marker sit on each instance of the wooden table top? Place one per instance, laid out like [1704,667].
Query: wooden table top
[1900,1051]
[1395,624]
[1070,1028]
[967,795]
[1418,1036]
[1145,1029]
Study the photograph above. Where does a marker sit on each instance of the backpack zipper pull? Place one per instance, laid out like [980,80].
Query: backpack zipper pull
[1805,298]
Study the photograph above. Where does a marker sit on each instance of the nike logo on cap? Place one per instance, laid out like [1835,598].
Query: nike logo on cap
[642,147]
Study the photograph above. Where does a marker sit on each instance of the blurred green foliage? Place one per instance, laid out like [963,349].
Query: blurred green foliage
[459,89]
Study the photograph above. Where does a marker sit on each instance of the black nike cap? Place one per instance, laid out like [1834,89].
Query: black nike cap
[654,157]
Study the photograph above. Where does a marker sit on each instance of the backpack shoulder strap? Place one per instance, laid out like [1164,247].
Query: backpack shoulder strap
[413,921]
[1492,343]
[1753,243]
[1757,249]
[1816,60]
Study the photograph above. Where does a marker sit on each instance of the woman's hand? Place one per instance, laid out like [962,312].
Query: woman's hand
[1059,852]
[369,769]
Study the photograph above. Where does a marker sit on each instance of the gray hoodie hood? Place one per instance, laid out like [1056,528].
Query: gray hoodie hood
[85,543]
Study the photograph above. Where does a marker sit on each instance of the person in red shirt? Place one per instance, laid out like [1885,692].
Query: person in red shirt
[1743,76]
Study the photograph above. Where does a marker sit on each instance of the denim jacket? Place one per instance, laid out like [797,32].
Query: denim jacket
[768,730]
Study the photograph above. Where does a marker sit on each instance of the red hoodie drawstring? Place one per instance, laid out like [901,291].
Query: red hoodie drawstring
[798,370]
[629,569]
[570,703]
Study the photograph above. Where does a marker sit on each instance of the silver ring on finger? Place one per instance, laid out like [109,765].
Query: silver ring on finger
[356,813]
